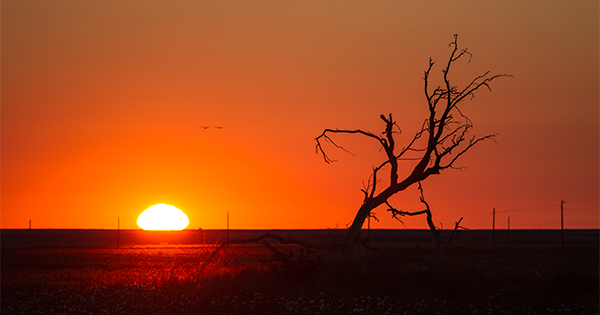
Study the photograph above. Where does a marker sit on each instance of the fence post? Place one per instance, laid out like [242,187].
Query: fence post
[227,226]
[494,228]
[562,231]
[508,231]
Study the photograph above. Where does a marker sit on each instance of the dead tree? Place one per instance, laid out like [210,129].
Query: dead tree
[443,138]
[292,262]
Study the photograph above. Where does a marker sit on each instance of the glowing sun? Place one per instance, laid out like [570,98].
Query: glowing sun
[163,217]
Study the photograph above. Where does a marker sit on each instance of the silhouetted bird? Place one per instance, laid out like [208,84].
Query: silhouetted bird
[215,127]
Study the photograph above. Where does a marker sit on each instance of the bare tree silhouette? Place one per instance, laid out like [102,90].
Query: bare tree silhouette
[443,138]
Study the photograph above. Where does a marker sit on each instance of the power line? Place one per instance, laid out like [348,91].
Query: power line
[486,220]
[528,208]
[540,211]
[584,203]
[583,210]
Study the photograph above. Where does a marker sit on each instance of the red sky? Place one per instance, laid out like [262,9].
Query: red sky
[103,103]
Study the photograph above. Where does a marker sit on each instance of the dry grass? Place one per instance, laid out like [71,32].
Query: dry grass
[169,280]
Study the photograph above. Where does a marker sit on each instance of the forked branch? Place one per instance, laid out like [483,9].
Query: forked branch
[443,138]
[397,214]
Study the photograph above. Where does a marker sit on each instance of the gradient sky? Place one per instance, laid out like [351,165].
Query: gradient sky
[103,103]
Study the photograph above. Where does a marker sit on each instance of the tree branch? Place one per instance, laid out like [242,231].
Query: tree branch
[448,138]
[324,136]
[304,244]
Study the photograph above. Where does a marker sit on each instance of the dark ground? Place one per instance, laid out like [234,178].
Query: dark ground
[531,275]
[22,238]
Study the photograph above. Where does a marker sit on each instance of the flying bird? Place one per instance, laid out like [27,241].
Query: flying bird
[214,127]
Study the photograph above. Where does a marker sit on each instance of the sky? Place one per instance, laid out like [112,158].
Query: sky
[104,103]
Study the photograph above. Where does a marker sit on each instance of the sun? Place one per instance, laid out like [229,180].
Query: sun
[163,217]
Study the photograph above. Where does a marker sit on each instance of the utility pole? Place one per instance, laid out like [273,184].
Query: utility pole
[118,231]
[368,227]
[494,228]
[508,231]
[562,231]
[227,226]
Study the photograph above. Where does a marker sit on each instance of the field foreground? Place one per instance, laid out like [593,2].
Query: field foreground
[468,279]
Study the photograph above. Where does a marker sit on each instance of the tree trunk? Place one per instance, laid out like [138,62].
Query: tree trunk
[447,131]
[352,237]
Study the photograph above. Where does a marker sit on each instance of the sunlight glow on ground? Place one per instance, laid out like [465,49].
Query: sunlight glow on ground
[163,217]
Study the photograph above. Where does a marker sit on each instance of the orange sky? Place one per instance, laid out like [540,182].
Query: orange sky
[102,103]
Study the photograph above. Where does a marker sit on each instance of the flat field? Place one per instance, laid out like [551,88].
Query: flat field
[470,278]
[23,238]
